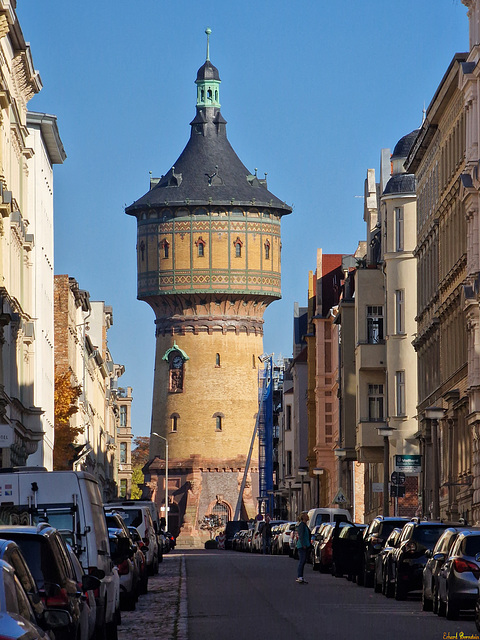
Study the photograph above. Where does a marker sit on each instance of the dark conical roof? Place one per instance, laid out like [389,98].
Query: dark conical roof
[208,72]
[400,183]
[403,146]
[208,171]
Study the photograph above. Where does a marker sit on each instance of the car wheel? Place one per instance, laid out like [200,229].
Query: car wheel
[438,604]
[400,593]
[112,630]
[477,615]
[427,604]
[451,610]
[367,578]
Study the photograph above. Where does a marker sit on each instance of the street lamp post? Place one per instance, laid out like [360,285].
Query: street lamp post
[318,472]
[302,473]
[166,477]
[386,432]
[435,414]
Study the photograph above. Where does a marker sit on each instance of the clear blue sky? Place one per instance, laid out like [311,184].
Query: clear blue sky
[311,92]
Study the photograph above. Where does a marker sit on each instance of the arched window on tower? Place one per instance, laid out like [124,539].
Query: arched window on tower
[238,248]
[209,94]
[217,359]
[174,422]
[218,421]
[142,250]
[165,248]
[200,247]
[267,250]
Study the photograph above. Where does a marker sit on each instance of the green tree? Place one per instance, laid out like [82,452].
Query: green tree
[66,396]
[211,523]
[137,480]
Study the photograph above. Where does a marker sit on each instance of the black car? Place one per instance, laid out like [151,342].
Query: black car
[347,547]
[48,559]
[373,540]
[409,559]
[231,528]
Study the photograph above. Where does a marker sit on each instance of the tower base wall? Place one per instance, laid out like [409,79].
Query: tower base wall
[198,491]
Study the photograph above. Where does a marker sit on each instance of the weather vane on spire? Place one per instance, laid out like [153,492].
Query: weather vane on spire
[208,31]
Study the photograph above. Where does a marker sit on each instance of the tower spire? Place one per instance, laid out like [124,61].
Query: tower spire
[208,81]
[208,31]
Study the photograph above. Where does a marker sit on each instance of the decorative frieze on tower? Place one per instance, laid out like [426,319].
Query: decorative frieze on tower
[208,260]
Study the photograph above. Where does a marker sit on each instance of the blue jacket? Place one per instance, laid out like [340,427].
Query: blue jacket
[303,532]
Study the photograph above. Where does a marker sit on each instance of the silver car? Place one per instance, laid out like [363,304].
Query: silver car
[458,577]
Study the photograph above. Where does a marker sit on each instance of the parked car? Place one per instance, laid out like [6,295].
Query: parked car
[409,559]
[121,552]
[435,560]
[458,576]
[323,556]
[347,549]
[327,514]
[88,606]
[374,538]
[382,571]
[17,618]
[231,528]
[171,540]
[284,537]
[129,559]
[48,559]
[316,541]
[138,516]
[71,502]
[142,560]
[11,553]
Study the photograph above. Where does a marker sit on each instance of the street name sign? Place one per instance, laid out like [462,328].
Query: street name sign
[408,463]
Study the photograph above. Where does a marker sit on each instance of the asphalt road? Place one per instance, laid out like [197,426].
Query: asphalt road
[238,596]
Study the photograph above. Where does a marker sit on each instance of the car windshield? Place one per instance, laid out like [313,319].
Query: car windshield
[389,526]
[428,536]
[131,517]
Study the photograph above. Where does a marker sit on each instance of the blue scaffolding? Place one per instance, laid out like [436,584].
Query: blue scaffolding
[264,429]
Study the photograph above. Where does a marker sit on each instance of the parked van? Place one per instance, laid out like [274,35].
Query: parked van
[71,502]
[326,514]
[138,516]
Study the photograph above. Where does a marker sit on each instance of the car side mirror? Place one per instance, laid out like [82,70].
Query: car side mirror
[428,553]
[439,557]
[98,573]
[90,582]
[55,618]
[51,589]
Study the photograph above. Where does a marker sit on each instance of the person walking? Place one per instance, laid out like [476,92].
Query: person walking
[303,544]
[266,535]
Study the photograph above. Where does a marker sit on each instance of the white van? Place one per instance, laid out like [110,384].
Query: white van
[326,514]
[71,502]
[138,516]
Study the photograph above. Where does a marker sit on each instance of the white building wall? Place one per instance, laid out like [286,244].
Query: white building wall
[40,218]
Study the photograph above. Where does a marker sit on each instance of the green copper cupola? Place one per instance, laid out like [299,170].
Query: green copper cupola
[208,81]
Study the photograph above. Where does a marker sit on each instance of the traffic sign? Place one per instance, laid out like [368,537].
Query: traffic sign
[340,497]
[398,478]
[408,463]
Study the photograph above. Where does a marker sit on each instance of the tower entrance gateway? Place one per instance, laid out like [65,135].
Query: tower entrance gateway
[208,262]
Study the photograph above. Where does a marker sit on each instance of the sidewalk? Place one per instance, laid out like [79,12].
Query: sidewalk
[162,612]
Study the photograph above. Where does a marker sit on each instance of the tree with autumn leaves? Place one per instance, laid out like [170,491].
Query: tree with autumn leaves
[66,396]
